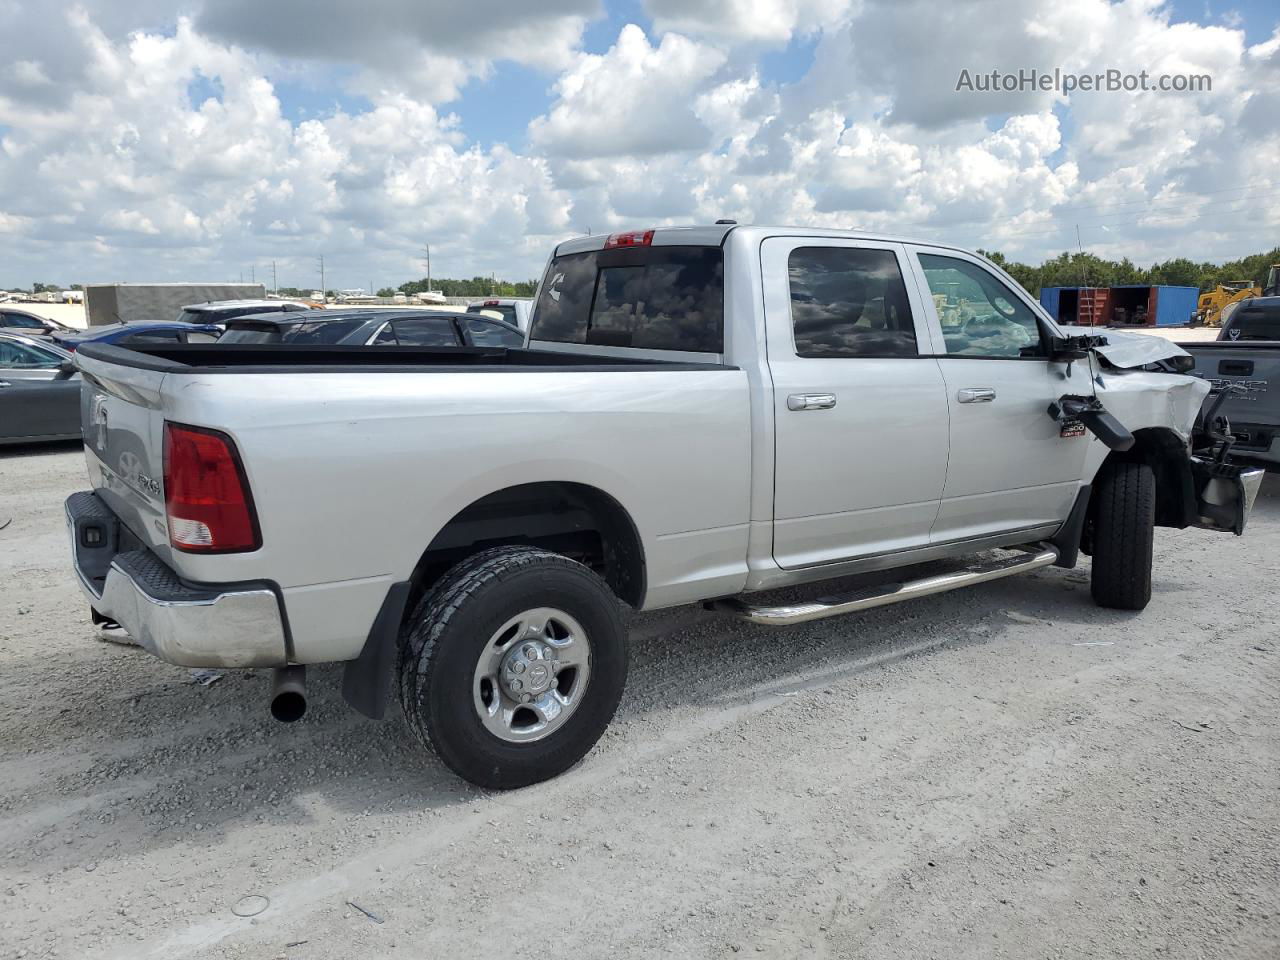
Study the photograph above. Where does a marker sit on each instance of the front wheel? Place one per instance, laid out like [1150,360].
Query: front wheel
[1123,536]
[512,665]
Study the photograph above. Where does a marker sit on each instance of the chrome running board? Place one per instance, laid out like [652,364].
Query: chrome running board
[1031,557]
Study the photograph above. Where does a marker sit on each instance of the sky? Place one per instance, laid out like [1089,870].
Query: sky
[143,140]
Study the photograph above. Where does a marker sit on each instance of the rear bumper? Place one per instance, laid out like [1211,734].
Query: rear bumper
[189,624]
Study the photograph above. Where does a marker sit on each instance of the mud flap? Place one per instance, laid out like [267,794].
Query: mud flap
[1224,493]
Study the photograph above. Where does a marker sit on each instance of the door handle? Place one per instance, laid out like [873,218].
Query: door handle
[811,401]
[976,395]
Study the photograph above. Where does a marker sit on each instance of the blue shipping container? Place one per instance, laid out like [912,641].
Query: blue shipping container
[1132,304]
[1175,305]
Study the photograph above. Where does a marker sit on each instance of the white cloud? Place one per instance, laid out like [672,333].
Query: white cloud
[768,22]
[109,169]
[633,100]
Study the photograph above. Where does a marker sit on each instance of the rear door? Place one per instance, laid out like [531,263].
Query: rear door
[859,403]
[39,409]
[1011,467]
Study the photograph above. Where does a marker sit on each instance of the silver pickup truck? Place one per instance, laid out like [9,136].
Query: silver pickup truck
[699,414]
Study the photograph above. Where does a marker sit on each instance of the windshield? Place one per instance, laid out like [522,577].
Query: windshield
[655,298]
[312,332]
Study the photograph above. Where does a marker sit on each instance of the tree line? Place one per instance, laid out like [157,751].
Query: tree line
[1084,269]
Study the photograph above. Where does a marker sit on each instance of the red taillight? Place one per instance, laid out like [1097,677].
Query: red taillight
[206,495]
[632,238]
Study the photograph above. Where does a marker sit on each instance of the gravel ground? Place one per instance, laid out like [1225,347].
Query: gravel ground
[1006,771]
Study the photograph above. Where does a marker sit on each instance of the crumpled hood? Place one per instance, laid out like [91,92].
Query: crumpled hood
[1126,350]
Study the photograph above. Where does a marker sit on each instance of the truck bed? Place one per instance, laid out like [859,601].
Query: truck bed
[353,474]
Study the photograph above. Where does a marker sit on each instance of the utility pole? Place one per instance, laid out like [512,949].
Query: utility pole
[324,293]
[275,287]
[252,277]
[427,247]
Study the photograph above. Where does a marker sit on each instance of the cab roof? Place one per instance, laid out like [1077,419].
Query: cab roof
[713,235]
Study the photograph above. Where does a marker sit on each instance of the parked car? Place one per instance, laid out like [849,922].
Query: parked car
[515,310]
[30,324]
[701,413]
[130,334]
[220,311]
[1245,360]
[39,391]
[389,327]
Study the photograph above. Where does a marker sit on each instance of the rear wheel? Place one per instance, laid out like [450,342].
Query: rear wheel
[1123,535]
[512,665]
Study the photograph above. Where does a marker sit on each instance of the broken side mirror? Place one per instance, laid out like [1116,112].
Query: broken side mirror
[1089,412]
[66,370]
[1070,349]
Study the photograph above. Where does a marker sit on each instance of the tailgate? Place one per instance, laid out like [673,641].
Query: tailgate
[123,429]
[1250,369]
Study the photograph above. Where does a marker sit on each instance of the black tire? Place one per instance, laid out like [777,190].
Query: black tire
[1123,533]
[447,633]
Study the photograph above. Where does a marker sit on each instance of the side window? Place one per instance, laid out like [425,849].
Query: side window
[385,337]
[980,315]
[20,320]
[426,332]
[849,302]
[154,336]
[18,356]
[486,334]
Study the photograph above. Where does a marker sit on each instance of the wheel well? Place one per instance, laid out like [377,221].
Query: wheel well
[573,519]
[1166,453]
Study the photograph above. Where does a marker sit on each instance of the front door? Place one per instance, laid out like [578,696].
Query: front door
[860,410]
[1012,466]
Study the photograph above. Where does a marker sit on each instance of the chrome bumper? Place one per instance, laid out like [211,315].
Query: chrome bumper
[1225,494]
[192,625]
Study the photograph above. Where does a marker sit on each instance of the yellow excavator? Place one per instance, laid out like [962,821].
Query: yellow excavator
[1214,307]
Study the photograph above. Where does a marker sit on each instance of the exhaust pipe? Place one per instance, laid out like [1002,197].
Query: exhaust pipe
[289,693]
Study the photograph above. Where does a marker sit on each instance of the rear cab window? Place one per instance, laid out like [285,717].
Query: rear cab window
[646,297]
[1255,323]
[506,311]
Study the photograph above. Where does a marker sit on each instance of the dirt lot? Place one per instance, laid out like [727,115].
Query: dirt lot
[1003,772]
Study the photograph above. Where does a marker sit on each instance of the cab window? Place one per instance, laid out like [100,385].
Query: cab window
[19,356]
[979,314]
[849,302]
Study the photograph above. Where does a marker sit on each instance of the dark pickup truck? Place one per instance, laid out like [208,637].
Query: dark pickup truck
[1245,359]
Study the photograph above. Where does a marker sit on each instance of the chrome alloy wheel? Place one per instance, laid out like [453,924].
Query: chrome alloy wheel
[532,675]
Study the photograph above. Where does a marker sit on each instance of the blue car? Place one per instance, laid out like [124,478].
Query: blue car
[126,334]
